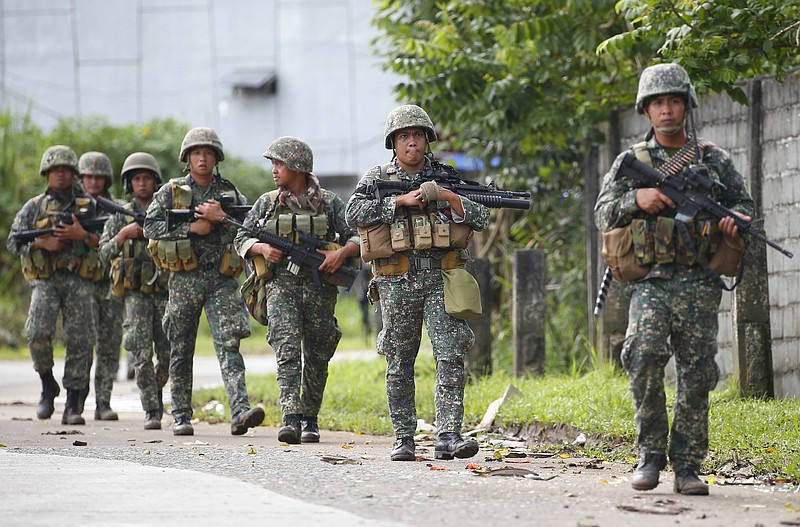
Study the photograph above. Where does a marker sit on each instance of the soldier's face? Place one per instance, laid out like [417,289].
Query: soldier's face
[202,161]
[666,111]
[143,185]
[60,178]
[283,175]
[410,144]
[94,184]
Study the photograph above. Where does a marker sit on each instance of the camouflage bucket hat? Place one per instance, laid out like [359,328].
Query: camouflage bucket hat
[663,79]
[407,116]
[58,155]
[96,164]
[293,151]
[201,137]
[137,162]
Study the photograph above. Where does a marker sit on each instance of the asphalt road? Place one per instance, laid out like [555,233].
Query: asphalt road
[116,473]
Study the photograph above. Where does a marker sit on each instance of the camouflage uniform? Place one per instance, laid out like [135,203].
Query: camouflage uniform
[144,309]
[64,290]
[408,300]
[673,312]
[202,288]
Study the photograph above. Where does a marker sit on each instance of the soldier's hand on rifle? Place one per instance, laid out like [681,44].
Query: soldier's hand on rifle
[210,211]
[728,226]
[652,200]
[48,243]
[69,231]
[131,231]
[270,253]
[412,198]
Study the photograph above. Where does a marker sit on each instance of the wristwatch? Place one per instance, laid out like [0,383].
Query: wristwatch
[87,238]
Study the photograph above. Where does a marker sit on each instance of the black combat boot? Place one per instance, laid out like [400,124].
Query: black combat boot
[290,432]
[647,469]
[182,427]
[71,414]
[688,483]
[247,419]
[403,449]
[450,444]
[50,391]
[310,433]
[152,420]
[103,412]
[82,395]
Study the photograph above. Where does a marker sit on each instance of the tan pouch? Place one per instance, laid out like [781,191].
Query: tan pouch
[620,257]
[725,261]
[460,234]
[440,231]
[401,237]
[89,266]
[152,250]
[186,255]
[422,231]
[376,242]
[230,264]
[117,286]
[262,269]
[462,295]
[394,265]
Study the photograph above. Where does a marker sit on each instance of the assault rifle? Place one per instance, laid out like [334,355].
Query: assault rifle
[89,225]
[689,193]
[447,177]
[175,216]
[301,254]
[112,206]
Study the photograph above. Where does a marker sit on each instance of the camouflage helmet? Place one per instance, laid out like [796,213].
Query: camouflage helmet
[96,164]
[201,137]
[137,162]
[663,79]
[58,155]
[292,151]
[407,116]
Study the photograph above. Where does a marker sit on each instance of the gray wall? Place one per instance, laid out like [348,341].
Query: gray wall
[725,123]
[133,60]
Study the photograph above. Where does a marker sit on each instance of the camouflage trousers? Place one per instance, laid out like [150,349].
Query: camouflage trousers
[683,309]
[143,337]
[304,334]
[190,292]
[72,296]
[406,302]
[108,325]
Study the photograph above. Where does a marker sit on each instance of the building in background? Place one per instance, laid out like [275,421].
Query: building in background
[251,69]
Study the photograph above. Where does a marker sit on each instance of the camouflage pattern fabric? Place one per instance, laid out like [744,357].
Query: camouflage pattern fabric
[302,328]
[203,288]
[674,303]
[142,334]
[406,302]
[108,326]
[64,291]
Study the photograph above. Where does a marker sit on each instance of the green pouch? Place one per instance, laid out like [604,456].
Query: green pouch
[642,242]
[663,245]
[462,295]
[319,225]
[303,223]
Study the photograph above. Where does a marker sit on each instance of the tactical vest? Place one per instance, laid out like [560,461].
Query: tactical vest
[384,244]
[134,269]
[40,264]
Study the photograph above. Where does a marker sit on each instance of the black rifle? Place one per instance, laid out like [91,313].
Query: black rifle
[301,254]
[89,225]
[689,193]
[447,177]
[113,206]
[175,216]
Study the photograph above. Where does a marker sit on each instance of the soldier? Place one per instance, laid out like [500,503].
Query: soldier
[60,273]
[409,280]
[143,286]
[204,269]
[673,308]
[96,176]
[302,328]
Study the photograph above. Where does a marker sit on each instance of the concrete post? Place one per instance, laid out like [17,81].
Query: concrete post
[479,358]
[528,312]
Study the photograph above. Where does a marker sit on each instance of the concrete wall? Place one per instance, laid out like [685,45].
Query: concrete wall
[727,124]
[133,60]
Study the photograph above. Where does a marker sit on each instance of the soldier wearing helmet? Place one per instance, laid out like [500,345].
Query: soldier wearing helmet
[415,241]
[303,332]
[673,308]
[97,176]
[205,268]
[140,285]
[60,273]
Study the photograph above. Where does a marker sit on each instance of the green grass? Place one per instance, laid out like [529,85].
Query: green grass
[598,404]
